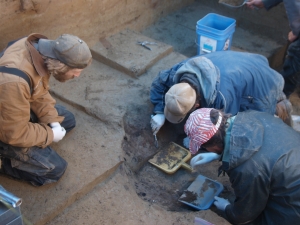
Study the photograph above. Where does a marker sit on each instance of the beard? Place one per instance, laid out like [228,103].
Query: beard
[61,77]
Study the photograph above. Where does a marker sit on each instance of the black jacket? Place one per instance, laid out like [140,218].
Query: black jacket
[264,170]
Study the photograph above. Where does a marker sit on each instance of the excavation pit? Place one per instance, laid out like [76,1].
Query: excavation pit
[151,183]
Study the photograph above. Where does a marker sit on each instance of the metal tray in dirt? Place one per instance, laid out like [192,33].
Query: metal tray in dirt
[172,158]
[200,194]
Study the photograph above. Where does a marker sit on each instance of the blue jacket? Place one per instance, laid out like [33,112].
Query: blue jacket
[262,162]
[230,81]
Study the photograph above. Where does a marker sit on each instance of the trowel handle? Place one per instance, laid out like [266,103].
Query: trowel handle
[187,167]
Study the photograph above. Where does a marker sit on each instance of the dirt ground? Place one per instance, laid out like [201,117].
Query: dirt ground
[113,111]
[152,184]
[142,187]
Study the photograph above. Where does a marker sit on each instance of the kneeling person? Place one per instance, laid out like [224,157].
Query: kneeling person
[30,119]
[260,154]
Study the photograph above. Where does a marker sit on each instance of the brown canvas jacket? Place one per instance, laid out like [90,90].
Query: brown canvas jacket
[16,99]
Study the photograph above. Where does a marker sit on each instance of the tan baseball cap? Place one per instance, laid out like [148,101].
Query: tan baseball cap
[68,49]
[179,100]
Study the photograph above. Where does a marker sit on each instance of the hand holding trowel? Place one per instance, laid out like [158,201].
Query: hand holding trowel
[157,121]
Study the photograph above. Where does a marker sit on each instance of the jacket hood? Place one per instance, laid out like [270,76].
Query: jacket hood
[207,73]
[246,139]
[36,57]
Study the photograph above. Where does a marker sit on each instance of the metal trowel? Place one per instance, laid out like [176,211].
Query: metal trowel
[155,141]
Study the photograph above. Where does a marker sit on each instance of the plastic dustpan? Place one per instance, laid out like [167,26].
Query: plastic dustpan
[172,158]
[200,194]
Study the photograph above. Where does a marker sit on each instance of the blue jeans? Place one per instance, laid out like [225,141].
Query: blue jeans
[291,68]
[39,166]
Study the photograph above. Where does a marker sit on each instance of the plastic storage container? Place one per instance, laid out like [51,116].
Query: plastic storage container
[10,215]
[214,33]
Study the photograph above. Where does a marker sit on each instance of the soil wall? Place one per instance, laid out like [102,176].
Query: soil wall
[91,20]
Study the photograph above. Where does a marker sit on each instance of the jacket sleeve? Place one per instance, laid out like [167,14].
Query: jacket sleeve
[251,191]
[293,13]
[15,128]
[292,8]
[44,109]
[160,86]
[268,4]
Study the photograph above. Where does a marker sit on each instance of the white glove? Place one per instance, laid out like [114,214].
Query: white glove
[55,124]
[58,133]
[157,122]
[186,142]
[221,203]
[203,158]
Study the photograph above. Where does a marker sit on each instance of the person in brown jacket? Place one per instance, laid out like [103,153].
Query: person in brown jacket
[30,120]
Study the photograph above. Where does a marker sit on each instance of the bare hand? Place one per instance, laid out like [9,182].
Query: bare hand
[252,4]
[291,36]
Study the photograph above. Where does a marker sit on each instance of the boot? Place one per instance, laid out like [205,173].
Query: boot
[283,111]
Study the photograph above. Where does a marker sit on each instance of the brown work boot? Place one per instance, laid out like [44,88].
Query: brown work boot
[283,111]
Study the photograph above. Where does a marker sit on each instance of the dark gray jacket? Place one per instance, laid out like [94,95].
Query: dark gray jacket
[262,161]
[292,8]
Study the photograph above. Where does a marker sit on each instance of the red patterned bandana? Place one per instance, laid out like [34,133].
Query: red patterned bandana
[199,128]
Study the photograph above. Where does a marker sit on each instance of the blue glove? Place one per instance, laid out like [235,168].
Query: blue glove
[204,158]
[186,142]
[221,203]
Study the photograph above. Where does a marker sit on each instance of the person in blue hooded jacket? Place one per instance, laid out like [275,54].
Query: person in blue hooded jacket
[227,80]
